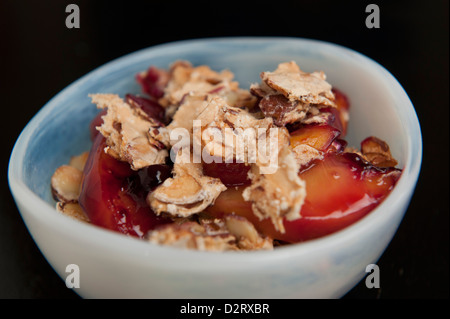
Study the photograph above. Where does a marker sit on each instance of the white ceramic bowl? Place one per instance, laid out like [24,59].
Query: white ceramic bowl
[114,266]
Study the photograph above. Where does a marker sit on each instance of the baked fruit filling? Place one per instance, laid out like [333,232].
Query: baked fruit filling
[197,162]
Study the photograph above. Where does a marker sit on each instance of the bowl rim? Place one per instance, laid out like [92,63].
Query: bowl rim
[112,241]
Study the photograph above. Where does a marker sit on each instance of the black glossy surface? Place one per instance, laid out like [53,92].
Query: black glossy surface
[40,56]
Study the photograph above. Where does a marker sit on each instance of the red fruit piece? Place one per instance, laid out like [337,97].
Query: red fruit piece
[153,81]
[151,108]
[337,146]
[97,121]
[231,202]
[112,193]
[318,136]
[340,190]
[342,101]
[231,174]
[335,119]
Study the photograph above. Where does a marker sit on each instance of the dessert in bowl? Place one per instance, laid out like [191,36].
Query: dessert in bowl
[116,265]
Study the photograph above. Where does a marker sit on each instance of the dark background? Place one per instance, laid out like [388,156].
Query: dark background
[40,56]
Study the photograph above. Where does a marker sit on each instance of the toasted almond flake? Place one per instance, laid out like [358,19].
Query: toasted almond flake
[211,234]
[126,130]
[246,234]
[295,84]
[187,193]
[380,160]
[73,210]
[377,152]
[79,161]
[66,183]
[189,110]
[212,226]
[191,235]
[304,154]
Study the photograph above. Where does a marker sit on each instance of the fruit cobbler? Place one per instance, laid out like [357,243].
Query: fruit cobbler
[195,161]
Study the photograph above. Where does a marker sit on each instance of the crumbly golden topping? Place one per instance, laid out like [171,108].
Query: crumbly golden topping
[126,130]
[73,210]
[66,184]
[304,154]
[188,192]
[290,95]
[296,85]
[186,80]
[279,195]
[235,134]
[228,123]
[228,234]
